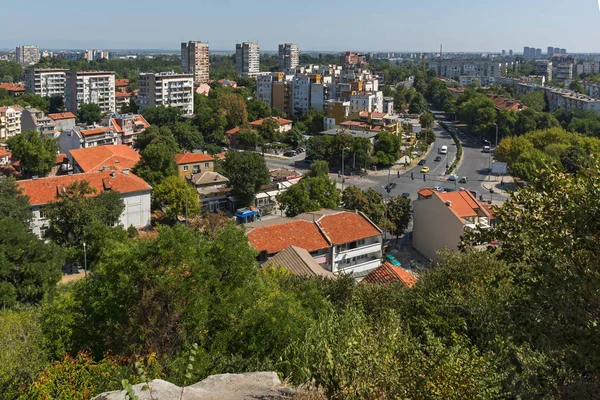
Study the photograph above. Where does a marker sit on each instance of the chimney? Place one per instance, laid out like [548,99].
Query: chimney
[448,203]
[113,174]
[126,171]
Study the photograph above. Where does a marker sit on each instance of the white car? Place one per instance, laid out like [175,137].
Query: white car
[438,189]
[453,177]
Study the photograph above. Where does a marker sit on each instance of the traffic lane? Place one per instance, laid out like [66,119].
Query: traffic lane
[443,138]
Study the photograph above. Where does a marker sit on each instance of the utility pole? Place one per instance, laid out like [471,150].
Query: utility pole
[84,260]
[490,171]
[343,176]
[186,208]
[496,146]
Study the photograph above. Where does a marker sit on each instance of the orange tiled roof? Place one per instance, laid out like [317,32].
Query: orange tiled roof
[4,152]
[387,273]
[376,115]
[60,158]
[44,190]
[121,82]
[115,157]
[140,118]
[94,131]
[187,158]
[61,116]
[426,192]
[221,156]
[299,233]
[122,95]
[279,121]
[463,203]
[13,87]
[346,227]
[234,131]
[502,103]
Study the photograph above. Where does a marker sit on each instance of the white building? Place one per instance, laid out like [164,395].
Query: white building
[289,56]
[301,94]
[27,55]
[82,137]
[264,89]
[10,121]
[167,89]
[96,87]
[134,191]
[247,59]
[563,72]
[366,101]
[195,60]
[45,82]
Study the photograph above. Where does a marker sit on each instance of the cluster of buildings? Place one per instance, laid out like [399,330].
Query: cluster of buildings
[532,52]
[454,69]
[28,55]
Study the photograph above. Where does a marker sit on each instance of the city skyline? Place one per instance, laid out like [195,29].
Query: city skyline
[415,27]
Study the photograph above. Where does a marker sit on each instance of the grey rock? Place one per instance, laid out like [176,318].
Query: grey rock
[251,385]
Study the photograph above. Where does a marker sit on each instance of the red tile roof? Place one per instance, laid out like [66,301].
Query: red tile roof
[115,157]
[346,227]
[60,158]
[275,238]
[140,118]
[464,204]
[94,131]
[44,190]
[426,192]
[234,131]
[121,82]
[376,115]
[502,103]
[61,116]
[122,95]
[13,87]
[386,273]
[188,158]
[4,152]
[280,121]
[221,156]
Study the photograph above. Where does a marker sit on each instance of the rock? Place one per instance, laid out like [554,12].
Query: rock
[251,385]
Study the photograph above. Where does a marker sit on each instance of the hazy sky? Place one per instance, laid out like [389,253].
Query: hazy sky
[419,25]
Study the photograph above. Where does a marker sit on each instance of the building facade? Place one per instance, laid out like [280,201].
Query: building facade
[82,137]
[27,55]
[195,60]
[289,56]
[45,82]
[247,59]
[167,89]
[544,68]
[96,87]
[10,121]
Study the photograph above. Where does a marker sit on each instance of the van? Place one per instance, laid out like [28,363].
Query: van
[487,149]
[444,149]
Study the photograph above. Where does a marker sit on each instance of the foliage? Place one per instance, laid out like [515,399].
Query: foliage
[535,100]
[246,172]
[398,214]
[310,194]
[89,113]
[209,223]
[27,100]
[156,163]
[367,201]
[154,134]
[162,116]
[10,72]
[176,197]
[319,168]
[437,93]
[310,122]
[234,109]
[57,104]
[426,120]
[387,148]
[37,154]
[187,136]
[13,204]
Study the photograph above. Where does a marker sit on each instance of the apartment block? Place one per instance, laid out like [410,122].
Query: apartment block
[336,112]
[592,89]
[301,94]
[96,87]
[350,58]
[10,121]
[45,82]
[27,55]
[563,72]
[366,101]
[247,59]
[289,56]
[282,96]
[167,89]
[195,60]
[544,68]
[264,89]
[95,55]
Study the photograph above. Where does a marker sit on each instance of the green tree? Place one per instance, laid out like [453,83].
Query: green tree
[247,172]
[37,154]
[387,148]
[162,116]
[234,109]
[398,214]
[187,136]
[535,100]
[293,137]
[319,147]
[418,104]
[156,163]
[269,131]
[57,104]
[13,204]
[89,113]
[369,202]
[154,134]
[248,139]
[426,120]
[176,197]
[310,194]
[319,168]
[577,87]
[257,109]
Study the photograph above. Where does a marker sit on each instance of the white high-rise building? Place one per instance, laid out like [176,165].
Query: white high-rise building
[167,89]
[247,59]
[27,55]
[96,87]
[195,60]
[289,56]
[45,82]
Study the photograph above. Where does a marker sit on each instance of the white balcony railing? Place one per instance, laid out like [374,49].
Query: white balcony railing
[359,251]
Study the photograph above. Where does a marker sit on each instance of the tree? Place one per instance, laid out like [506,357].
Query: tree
[162,116]
[257,109]
[248,139]
[269,131]
[319,168]
[89,113]
[535,100]
[57,104]
[369,202]
[234,109]
[176,197]
[426,120]
[387,148]
[29,268]
[398,214]
[37,154]
[154,134]
[156,163]
[418,104]
[577,87]
[319,147]
[187,136]
[293,137]
[12,203]
[310,194]
[247,172]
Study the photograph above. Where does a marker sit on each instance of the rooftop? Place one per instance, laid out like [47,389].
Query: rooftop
[289,232]
[280,121]
[116,157]
[386,273]
[188,158]
[61,116]
[462,203]
[299,262]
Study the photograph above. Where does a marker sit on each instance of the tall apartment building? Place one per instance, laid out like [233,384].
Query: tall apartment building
[544,67]
[96,87]
[92,55]
[264,89]
[45,82]
[351,58]
[10,121]
[289,56]
[27,55]
[167,89]
[195,60]
[563,72]
[247,59]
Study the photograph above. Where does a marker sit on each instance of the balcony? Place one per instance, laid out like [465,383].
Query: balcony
[359,269]
[356,252]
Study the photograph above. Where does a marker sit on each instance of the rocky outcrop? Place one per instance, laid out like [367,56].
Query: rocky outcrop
[252,385]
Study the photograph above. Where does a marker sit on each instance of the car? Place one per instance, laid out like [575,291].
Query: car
[452,177]
[406,195]
[300,150]
[422,162]
[438,158]
[464,179]
[392,260]
[487,149]
[425,169]
[438,189]
[290,153]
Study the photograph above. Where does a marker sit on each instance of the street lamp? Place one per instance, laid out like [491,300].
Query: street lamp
[490,148]
[496,125]
[343,176]
[84,260]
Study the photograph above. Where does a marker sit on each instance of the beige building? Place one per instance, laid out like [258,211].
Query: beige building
[440,219]
[45,82]
[96,87]
[27,55]
[193,163]
[289,56]
[247,59]
[195,60]
[167,89]
[10,121]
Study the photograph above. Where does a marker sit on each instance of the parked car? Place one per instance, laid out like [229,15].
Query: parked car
[438,189]
[425,169]
[438,158]
[452,177]
[300,150]
[406,195]
[487,149]
[392,260]
[464,179]
[291,153]
[422,162]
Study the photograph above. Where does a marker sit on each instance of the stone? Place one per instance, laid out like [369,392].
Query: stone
[251,385]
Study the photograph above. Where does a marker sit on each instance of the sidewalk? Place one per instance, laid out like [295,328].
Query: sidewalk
[501,185]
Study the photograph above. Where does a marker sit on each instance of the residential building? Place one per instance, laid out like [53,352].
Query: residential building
[502,103]
[388,105]
[95,55]
[45,82]
[563,72]
[96,87]
[586,67]
[4,156]
[63,121]
[544,68]
[440,219]
[82,137]
[247,59]
[340,241]
[301,94]
[264,89]
[115,157]
[134,191]
[212,189]
[10,121]
[193,163]
[299,262]
[13,89]
[128,126]
[592,89]
[387,274]
[366,101]
[195,60]
[289,56]
[350,58]
[33,119]
[167,89]
[336,112]
[27,55]
[284,124]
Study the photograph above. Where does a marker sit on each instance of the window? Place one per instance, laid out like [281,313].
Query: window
[196,169]
[185,168]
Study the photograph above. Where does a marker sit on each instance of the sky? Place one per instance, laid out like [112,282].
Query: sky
[325,25]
